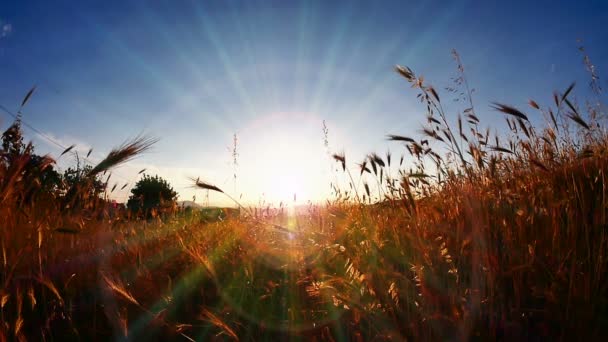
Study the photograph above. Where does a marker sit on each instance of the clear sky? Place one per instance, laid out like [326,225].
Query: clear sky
[194,73]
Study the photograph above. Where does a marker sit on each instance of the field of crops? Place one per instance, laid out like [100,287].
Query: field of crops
[479,236]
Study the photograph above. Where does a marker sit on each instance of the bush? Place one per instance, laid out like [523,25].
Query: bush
[152,196]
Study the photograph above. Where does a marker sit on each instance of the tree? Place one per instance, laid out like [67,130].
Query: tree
[47,179]
[80,187]
[151,196]
[12,143]
[35,173]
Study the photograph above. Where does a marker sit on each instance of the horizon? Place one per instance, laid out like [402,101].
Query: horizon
[273,73]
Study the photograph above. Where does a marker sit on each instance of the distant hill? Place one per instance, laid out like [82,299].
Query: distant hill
[189,204]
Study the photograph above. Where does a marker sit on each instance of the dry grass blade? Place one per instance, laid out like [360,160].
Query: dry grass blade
[522,125]
[405,72]
[49,284]
[429,132]
[418,175]
[576,118]
[340,158]
[500,149]
[460,126]
[435,95]
[553,120]
[431,119]
[373,164]
[27,96]
[533,104]
[472,119]
[18,326]
[124,153]
[200,257]
[568,91]
[118,289]
[210,317]
[4,299]
[509,110]
[206,186]
[376,158]
[539,164]
[200,184]
[32,297]
[571,106]
[392,137]
[67,150]
[363,167]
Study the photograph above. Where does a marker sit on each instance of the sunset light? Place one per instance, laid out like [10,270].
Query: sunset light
[286,156]
[286,170]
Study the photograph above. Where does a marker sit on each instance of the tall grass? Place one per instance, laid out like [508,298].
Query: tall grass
[471,235]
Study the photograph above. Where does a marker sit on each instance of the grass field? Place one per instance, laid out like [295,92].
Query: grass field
[475,236]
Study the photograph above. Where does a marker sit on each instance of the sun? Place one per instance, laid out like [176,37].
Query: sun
[288,185]
[285,159]
[284,173]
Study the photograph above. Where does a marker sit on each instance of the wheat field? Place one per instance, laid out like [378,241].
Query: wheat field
[473,235]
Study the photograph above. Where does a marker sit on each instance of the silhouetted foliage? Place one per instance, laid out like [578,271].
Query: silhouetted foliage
[18,159]
[80,187]
[12,142]
[151,196]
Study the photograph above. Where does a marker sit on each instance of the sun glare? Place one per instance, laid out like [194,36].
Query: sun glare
[286,160]
[288,185]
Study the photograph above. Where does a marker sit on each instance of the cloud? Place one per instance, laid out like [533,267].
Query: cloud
[66,141]
[5,29]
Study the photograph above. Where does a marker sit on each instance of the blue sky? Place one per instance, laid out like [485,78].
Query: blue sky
[194,73]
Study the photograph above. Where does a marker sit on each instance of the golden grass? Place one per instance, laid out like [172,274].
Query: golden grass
[473,236]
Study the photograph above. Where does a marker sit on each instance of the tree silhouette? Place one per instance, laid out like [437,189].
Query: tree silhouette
[80,187]
[36,173]
[12,143]
[151,196]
